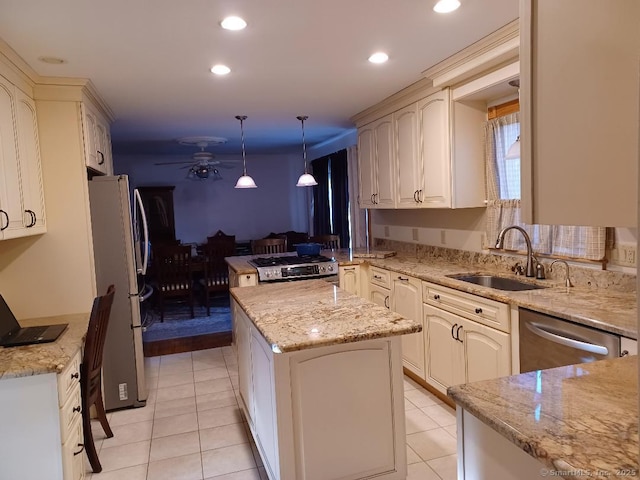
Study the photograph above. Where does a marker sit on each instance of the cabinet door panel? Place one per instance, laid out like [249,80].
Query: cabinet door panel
[487,352]
[442,350]
[29,155]
[407,301]
[434,145]
[385,163]
[366,166]
[409,168]
[349,278]
[379,296]
[11,220]
[242,333]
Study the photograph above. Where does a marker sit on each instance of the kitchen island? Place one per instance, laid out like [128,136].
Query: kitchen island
[575,421]
[320,379]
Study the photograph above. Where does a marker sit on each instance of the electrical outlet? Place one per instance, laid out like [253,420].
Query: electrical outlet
[123,392]
[414,234]
[627,255]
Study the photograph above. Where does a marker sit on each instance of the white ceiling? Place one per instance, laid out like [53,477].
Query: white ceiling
[150,61]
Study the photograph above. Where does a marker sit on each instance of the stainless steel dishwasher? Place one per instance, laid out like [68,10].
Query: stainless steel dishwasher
[547,342]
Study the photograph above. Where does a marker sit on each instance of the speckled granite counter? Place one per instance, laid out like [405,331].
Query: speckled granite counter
[47,357]
[604,308]
[576,418]
[312,313]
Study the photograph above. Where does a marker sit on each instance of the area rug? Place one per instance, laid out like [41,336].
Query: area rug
[178,322]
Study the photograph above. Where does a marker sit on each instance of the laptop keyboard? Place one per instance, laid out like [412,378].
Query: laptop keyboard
[31,334]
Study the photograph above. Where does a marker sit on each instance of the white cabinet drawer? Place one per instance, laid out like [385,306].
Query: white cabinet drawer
[69,378]
[73,453]
[380,277]
[70,412]
[482,310]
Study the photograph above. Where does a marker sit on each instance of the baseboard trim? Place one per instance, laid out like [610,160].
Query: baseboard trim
[186,344]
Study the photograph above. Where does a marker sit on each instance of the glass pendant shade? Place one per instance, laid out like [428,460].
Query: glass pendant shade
[514,150]
[306,179]
[245,181]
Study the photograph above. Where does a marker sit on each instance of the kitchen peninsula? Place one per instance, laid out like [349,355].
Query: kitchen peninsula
[320,378]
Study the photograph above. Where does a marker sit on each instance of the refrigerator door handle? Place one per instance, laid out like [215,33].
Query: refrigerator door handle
[145,229]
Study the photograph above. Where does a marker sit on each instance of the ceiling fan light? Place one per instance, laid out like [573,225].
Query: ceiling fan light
[245,181]
[306,180]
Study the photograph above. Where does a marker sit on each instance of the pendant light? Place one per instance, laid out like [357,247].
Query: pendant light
[245,181]
[306,179]
[514,150]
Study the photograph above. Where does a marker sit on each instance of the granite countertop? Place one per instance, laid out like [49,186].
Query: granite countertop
[580,417]
[607,309]
[47,357]
[313,313]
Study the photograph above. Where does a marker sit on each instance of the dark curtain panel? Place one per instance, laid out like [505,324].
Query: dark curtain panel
[340,196]
[331,170]
[321,218]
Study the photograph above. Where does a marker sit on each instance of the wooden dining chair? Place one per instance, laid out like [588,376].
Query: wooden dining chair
[216,271]
[174,274]
[269,245]
[91,373]
[327,241]
[221,235]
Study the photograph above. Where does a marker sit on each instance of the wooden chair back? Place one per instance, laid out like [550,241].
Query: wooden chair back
[216,271]
[174,274]
[327,241]
[268,246]
[221,235]
[91,372]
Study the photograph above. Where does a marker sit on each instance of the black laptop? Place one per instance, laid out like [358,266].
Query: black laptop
[12,335]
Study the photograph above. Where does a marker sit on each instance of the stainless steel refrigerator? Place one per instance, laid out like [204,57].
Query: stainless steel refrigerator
[121,251]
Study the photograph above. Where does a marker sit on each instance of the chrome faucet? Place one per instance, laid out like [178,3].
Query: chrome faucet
[567,280]
[530,268]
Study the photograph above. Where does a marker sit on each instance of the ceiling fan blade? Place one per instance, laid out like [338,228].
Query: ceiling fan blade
[174,163]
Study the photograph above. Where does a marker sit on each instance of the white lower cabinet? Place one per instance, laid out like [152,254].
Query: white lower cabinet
[349,278]
[323,413]
[406,299]
[42,426]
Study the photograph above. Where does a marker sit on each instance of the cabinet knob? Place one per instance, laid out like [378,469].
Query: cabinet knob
[77,409]
[81,445]
[436,297]
[75,375]
[478,310]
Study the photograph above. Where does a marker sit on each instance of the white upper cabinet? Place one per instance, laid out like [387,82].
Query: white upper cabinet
[97,140]
[376,164]
[579,111]
[427,154]
[22,211]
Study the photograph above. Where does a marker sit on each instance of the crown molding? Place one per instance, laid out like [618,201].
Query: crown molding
[497,48]
[66,89]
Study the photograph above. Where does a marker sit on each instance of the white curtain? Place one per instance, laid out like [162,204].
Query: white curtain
[503,203]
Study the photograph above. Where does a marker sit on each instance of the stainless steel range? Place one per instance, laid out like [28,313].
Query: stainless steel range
[294,267]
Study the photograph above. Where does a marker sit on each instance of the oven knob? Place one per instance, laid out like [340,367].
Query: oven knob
[330,268]
[322,269]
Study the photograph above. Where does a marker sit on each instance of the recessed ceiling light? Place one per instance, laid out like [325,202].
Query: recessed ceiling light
[446,6]
[220,69]
[52,60]
[233,23]
[379,57]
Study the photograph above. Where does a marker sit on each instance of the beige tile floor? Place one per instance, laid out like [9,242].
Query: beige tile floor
[192,428]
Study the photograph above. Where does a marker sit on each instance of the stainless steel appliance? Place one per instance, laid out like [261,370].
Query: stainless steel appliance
[121,252]
[547,342]
[294,267]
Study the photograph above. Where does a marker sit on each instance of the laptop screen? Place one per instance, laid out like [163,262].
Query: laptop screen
[8,321]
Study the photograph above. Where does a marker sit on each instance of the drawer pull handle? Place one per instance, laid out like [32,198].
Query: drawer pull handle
[77,409]
[386,301]
[436,297]
[458,334]
[403,279]
[377,277]
[452,328]
[349,268]
[478,310]
[81,445]
[75,375]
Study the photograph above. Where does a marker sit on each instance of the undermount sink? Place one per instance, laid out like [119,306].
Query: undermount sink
[492,281]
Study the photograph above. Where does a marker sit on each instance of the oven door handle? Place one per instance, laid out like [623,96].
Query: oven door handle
[539,330]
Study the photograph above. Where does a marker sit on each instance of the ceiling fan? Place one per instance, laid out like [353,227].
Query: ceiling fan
[202,164]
